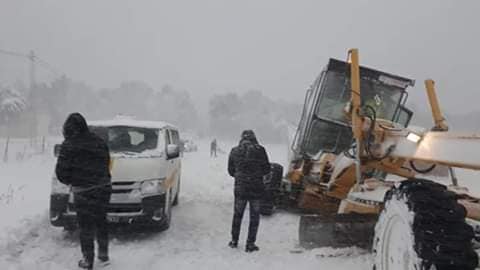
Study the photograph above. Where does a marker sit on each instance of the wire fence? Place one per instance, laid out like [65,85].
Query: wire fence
[20,149]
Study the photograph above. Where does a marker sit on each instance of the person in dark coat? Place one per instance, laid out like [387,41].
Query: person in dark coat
[248,164]
[213,148]
[83,163]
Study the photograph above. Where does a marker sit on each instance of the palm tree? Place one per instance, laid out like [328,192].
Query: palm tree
[12,104]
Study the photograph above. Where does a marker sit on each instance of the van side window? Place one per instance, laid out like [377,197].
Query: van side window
[175,137]
[168,137]
[162,139]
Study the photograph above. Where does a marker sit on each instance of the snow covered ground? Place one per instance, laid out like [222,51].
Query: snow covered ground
[196,240]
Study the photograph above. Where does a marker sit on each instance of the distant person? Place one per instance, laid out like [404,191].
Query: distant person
[213,148]
[248,164]
[83,163]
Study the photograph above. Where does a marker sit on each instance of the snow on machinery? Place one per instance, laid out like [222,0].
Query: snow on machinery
[352,140]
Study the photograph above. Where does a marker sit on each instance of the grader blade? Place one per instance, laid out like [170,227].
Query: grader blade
[444,148]
[340,230]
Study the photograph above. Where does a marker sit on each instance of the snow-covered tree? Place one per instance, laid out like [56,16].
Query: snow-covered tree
[231,113]
[12,104]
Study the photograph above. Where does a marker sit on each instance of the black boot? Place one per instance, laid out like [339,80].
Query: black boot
[233,244]
[251,247]
[103,261]
[85,264]
[103,256]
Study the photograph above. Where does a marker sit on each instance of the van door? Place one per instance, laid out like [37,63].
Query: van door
[172,164]
[176,170]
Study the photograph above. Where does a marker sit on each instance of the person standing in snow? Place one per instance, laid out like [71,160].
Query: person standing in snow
[248,164]
[213,148]
[83,163]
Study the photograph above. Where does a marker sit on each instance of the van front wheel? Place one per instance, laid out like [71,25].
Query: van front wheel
[165,223]
[175,201]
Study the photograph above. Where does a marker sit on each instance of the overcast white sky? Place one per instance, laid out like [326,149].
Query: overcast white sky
[273,45]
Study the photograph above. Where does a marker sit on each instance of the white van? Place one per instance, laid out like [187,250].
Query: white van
[145,168]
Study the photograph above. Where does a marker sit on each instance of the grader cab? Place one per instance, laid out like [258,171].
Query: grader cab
[325,126]
[357,173]
[324,111]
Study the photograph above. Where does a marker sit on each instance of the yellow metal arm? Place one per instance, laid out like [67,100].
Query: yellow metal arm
[357,119]
[439,120]
[355,98]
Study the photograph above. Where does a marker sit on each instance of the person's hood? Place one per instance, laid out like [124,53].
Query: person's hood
[74,125]
[248,136]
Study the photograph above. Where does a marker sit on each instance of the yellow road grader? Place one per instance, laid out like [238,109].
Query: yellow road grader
[358,172]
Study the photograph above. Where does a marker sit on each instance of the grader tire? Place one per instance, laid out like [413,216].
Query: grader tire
[277,174]
[423,227]
[272,189]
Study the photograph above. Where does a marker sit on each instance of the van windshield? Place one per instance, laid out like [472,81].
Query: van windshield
[128,139]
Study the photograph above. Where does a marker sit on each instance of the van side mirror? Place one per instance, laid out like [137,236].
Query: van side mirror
[56,149]
[173,151]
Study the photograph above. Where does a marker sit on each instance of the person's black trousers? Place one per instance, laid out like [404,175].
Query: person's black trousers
[92,222]
[239,209]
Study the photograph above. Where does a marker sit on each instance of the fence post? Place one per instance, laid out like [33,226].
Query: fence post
[5,154]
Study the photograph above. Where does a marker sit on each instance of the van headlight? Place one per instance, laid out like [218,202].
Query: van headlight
[58,187]
[150,187]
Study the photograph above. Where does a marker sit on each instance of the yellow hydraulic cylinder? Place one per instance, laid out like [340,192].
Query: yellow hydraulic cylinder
[439,120]
[356,102]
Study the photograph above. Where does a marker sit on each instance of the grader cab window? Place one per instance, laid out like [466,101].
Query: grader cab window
[384,99]
[327,127]
[334,97]
[308,110]
[404,116]
[330,137]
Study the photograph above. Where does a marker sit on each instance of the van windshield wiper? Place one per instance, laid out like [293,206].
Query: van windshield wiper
[130,153]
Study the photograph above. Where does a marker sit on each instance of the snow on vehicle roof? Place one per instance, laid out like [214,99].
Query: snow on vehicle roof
[120,121]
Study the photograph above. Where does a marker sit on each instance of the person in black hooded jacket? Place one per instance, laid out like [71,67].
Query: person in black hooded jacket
[83,163]
[248,164]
